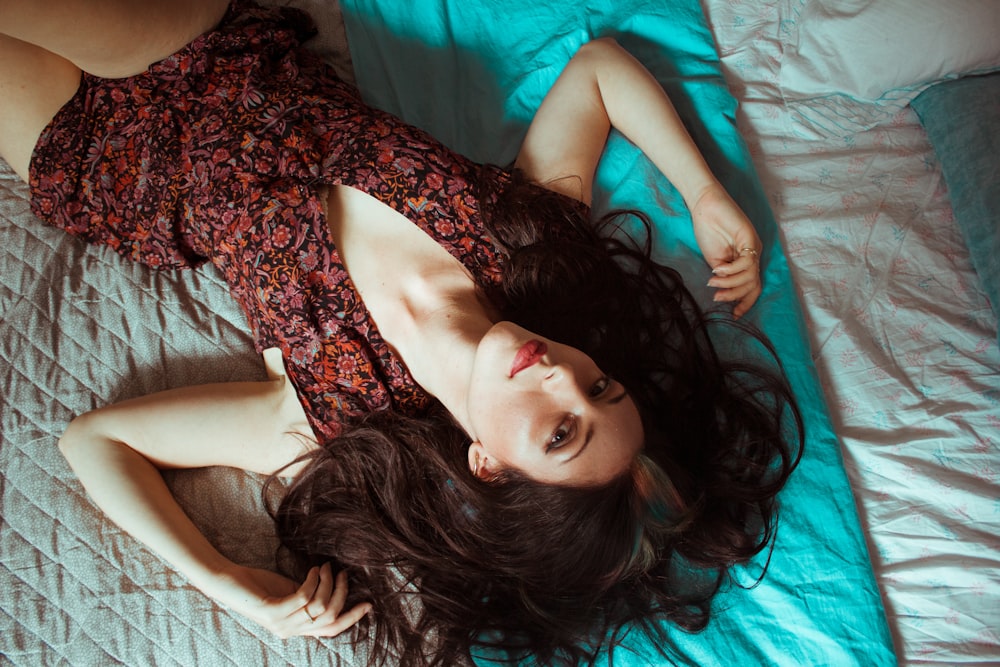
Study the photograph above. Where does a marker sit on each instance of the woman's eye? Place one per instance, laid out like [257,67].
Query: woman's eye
[600,387]
[563,434]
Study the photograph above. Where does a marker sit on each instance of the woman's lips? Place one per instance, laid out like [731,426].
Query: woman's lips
[528,356]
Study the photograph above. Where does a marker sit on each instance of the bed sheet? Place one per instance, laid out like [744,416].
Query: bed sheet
[477,88]
[904,341]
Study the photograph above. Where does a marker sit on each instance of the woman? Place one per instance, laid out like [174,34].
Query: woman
[421,318]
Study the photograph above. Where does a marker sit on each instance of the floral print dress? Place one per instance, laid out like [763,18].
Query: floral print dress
[219,153]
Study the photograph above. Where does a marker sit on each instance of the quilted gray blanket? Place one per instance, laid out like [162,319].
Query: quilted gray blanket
[80,328]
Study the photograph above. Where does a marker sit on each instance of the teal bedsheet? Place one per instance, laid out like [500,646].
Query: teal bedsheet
[472,72]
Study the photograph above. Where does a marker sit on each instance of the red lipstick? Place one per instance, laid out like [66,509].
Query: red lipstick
[528,356]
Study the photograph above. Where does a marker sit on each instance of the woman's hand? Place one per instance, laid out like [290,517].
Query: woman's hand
[313,609]
[730,245]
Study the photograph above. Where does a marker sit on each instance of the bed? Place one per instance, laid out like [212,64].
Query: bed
[888,546]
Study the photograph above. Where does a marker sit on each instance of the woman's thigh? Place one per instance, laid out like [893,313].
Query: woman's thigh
[110,38]
[45,44]
[34,84]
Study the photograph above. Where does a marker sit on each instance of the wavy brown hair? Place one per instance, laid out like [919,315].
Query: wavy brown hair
[512,568]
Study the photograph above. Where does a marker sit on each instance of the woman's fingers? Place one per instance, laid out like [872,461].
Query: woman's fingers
[339,594]
[349,619]
[747,301]
[305,592]
[327,604]
[734,275]
[341,623]
[738,281]
[319,603]
[745,261]
[312,608]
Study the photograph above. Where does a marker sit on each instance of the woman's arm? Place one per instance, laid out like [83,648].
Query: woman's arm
[603,87]
[118,452]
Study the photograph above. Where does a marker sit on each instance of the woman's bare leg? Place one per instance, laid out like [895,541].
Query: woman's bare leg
[110,38]
[34,84]
[45,43]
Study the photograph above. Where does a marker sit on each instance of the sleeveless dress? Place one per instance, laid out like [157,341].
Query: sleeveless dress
[219,152]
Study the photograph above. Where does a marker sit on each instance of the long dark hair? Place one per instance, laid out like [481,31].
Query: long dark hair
[514,568]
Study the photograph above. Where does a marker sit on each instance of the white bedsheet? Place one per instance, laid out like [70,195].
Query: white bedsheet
[904,340]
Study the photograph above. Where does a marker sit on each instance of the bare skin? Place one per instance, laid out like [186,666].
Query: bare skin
[426,307]
[110,38]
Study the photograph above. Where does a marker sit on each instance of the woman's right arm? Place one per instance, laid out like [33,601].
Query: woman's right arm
[118,451]
[602,87]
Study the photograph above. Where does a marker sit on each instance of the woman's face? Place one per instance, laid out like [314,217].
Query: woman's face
[547,410]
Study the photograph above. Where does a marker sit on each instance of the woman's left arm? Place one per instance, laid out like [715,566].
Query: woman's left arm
[602,87]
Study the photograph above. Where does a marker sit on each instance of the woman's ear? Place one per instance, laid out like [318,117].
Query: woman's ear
[479,462]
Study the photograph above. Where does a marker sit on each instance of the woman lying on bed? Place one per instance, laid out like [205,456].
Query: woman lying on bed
[537,434]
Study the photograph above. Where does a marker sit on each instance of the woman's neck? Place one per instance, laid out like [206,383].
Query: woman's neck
[423,300]
[437,332]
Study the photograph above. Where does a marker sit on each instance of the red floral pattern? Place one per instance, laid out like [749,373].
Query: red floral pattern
[218,153]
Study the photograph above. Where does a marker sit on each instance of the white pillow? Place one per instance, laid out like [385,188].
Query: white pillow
[848,65]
